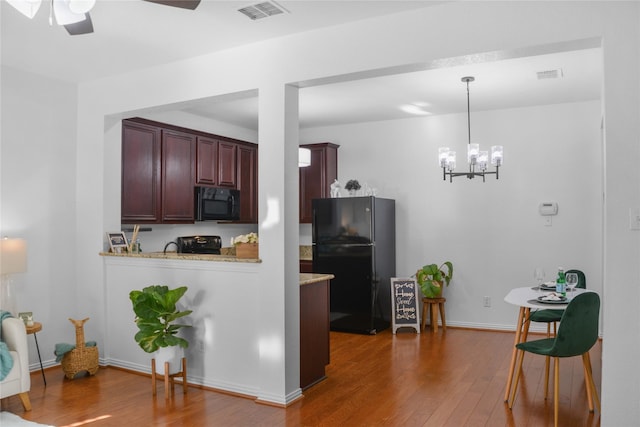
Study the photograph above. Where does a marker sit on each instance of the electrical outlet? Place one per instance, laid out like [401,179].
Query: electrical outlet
[201,346]
[486,301]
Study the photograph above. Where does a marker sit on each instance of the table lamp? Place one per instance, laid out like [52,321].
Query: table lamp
[13,260]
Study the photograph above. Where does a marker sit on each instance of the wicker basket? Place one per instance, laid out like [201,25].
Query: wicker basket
[81,358]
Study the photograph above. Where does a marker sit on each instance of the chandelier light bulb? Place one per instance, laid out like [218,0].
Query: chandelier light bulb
[443,154]
[451,160]
[483,160]
[472,153]
[496,155]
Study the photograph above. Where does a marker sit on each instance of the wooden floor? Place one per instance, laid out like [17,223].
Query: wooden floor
[455,378]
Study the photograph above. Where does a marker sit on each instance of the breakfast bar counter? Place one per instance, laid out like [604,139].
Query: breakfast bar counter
[182,256]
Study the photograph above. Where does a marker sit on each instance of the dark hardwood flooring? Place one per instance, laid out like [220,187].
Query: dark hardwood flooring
[455,378]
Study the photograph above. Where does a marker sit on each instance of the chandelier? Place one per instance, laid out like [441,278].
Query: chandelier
[477,160]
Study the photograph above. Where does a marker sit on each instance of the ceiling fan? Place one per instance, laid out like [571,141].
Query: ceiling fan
[74,14]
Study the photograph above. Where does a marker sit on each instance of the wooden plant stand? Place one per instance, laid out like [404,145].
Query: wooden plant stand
[433,305]
[169,378]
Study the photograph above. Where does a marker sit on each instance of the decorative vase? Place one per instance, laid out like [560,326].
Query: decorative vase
[353,193]
[171,354]
[247,250]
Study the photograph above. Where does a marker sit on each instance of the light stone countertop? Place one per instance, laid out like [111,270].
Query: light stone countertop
[308,278]
[227,255]
[175,255]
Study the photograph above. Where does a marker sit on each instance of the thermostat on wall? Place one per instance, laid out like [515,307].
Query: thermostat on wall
[548,208]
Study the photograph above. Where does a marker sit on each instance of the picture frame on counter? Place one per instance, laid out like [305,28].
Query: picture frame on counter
[117,241]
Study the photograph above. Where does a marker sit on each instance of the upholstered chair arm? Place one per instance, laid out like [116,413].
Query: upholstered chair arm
[14,334]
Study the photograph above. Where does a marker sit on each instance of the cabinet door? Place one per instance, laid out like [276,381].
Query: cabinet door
[227,152]
[178,160]
[141,190]
[316,179]
[206,161]
[248,182]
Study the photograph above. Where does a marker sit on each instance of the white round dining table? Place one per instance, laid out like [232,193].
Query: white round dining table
[526,298]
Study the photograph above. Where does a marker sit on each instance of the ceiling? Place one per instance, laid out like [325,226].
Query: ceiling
[134,34]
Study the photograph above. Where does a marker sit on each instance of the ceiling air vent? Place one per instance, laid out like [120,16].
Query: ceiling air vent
[549,74]
[262,10]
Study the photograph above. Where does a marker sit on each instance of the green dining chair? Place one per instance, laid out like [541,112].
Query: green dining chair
[577,333]
[553,317]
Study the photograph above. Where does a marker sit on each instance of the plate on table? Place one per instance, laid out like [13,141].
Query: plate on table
[548,286]
[552,299]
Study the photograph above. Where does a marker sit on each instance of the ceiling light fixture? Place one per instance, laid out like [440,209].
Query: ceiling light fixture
[477,159]
[66,11]
[28,8]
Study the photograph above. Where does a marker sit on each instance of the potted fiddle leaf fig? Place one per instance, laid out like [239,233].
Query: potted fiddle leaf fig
[432,278]
[156,313]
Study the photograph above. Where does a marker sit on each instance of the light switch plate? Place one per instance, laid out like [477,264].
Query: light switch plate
[634,218]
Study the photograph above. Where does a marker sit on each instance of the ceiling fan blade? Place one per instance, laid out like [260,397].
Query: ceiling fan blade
[185,4]
[82,27]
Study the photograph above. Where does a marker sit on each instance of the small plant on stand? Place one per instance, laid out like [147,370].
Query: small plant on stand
[156,313]
[432,278]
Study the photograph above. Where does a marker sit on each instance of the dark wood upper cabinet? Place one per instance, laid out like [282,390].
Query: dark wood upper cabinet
[206,161]
[178,175]
[227,158]
[247,182]
[316,179]
[162,163]
[141,185]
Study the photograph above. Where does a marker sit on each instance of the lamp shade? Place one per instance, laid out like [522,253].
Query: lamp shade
[13,256]
[304,157]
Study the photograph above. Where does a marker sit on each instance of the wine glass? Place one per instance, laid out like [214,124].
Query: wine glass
[538,274]
[572,281]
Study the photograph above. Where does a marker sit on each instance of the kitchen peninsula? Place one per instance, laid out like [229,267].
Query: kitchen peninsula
[228,303]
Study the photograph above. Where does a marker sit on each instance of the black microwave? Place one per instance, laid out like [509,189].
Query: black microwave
[217,204]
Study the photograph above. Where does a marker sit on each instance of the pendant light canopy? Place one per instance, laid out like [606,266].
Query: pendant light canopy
[476,159]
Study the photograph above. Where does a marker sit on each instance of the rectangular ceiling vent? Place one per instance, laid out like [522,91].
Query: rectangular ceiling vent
[262,10]
[549,74]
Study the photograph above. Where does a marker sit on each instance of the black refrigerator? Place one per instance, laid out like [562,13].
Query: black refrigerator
[354,238]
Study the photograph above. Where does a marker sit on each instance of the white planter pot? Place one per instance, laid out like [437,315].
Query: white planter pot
[173,355]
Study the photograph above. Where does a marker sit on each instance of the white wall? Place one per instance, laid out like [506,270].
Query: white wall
[492,232]
[223,336]
[38,167]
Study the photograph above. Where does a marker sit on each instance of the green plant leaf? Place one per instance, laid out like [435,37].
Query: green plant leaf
[155,310]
